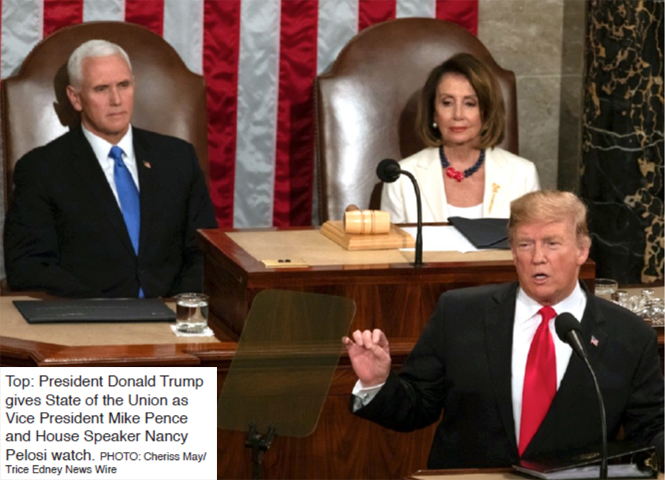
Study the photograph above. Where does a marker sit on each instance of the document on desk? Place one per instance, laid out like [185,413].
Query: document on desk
[442,238]
[95,310]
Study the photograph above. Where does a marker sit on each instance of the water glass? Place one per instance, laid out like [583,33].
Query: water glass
[605,288]
[621,297]
[191,312]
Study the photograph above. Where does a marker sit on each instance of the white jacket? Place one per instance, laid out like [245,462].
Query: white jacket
[507,177]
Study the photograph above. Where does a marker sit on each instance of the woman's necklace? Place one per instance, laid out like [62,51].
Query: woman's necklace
[459,176]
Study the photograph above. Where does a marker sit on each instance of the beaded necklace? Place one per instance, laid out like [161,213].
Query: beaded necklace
[459,176]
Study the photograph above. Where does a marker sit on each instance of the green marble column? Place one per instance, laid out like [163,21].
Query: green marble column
[622,138]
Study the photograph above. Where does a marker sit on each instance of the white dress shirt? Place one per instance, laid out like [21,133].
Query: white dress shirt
[525,325]
[102,148]
[466,212]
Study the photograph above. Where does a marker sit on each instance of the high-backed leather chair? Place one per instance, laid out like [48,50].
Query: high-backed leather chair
[366,104]
[168,99]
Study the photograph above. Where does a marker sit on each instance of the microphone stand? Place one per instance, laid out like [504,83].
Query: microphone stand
[418,261]
[568,329]
[603,423]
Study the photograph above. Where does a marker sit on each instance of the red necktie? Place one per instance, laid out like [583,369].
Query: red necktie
[539,380]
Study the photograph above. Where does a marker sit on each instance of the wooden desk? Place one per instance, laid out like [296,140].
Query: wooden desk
[389,292]
[101,344]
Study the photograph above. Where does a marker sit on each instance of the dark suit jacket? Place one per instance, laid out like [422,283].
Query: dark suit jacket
[65,234]
[461,365]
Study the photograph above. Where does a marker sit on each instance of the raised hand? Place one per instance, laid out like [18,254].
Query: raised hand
[370,356]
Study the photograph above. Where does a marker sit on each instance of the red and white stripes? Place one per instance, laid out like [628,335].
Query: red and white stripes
[259,58]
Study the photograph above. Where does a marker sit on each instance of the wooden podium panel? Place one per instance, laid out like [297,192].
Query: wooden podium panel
[342,446]
[393,296]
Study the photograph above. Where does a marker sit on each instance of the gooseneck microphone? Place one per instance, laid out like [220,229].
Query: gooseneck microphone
[569,331]
[388,171]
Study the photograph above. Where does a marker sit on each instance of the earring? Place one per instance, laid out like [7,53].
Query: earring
[434,125]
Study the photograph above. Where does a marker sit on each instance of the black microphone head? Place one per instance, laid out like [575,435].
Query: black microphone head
[564,324]
[388,170]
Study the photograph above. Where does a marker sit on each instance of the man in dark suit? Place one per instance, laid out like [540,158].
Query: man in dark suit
[107,210]
[490,361]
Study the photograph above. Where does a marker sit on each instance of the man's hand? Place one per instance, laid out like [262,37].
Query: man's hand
[370,356]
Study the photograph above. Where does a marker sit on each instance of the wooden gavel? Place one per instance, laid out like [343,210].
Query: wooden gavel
[366,222]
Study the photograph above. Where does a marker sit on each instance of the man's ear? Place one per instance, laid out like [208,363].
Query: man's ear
[583,250]
[73,96]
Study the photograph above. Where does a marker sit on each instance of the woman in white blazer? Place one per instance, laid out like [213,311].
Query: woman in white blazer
[461,119]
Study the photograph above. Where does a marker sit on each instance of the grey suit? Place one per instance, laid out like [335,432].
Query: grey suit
[65,234]
[461,365]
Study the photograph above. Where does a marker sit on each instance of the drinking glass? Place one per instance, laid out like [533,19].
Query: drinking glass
[605,288]
[191,312]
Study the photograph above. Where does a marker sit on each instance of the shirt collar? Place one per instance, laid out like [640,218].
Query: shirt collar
[102,148]
[526,307]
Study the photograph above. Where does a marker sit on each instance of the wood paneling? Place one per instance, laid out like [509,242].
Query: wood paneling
[396,298]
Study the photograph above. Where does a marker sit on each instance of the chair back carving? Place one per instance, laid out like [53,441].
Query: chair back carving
[366,105]
[169,98]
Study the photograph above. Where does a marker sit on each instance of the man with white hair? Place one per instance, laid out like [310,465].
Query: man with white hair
[107,209]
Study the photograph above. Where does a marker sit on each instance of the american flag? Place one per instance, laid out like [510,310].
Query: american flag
[259,59]
[594,341]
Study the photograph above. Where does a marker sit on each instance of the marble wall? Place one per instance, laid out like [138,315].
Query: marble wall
[609,150]
[622,136]
[542,41]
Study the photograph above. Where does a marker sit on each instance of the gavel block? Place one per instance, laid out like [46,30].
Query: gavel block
[366,230]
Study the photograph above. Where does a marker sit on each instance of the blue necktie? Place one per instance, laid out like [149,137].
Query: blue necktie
[129,199]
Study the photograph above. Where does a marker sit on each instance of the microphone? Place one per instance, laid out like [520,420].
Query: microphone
[388,171]
[569,331]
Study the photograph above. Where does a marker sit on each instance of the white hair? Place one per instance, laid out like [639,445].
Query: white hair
[90,49]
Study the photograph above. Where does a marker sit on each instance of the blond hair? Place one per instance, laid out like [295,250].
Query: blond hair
[549,206]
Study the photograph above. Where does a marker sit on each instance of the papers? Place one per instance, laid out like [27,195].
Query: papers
[592,471]
[444,238]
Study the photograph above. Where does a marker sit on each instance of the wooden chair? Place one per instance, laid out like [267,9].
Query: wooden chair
[366,105]
[169,98]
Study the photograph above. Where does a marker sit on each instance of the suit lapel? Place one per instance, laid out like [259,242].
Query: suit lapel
[594,337]
[493,190]
[86,165]
[499,318]
[148,186]
[430,179]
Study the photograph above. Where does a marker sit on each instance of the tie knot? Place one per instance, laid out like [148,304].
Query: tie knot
[547,313]
[116,153]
